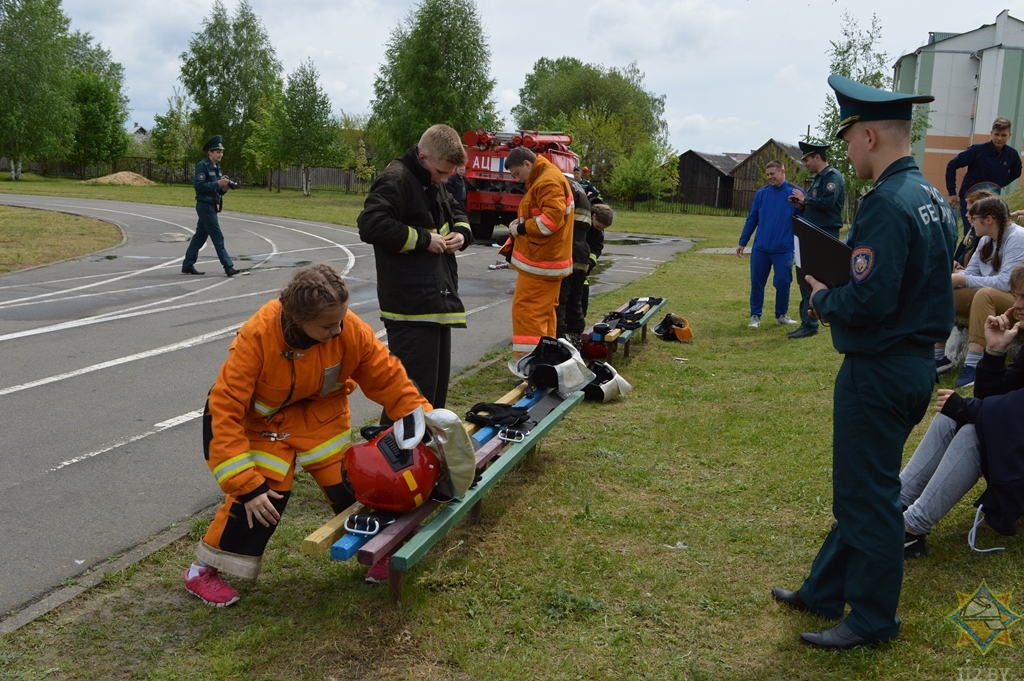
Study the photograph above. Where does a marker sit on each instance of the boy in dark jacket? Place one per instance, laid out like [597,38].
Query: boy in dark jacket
[416,227]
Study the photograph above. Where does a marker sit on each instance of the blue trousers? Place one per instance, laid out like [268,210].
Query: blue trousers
[805,292]
[761,262]
[877,402]
[207,227]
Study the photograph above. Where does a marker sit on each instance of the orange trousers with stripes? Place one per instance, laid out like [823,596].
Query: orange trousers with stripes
[229,543]
[534,311]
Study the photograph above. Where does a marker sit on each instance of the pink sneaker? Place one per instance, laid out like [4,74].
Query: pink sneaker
[379,571]
[211,588]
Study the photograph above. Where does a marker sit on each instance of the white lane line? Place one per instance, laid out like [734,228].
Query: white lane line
[163,425]
[99,294]
[61,281]
[9,303]
[351,257]
[110,317]
[188,343]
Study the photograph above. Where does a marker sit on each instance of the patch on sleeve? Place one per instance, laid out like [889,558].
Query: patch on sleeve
[202,176]
[863,260]
[831,186]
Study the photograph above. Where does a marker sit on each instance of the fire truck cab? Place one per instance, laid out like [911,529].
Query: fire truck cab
[493,194]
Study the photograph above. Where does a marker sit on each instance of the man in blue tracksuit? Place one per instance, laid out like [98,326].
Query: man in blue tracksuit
[990,165]
[771,215]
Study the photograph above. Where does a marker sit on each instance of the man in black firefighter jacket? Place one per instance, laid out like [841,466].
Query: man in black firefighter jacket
[416,227]
[570,316]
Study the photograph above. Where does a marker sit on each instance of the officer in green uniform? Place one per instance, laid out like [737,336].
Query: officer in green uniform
[897,303]
[822,206]
[210,188]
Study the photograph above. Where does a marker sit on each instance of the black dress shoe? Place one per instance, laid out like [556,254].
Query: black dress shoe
[803,332]
[790,598]
[191,270]
[231,271]
[838,637]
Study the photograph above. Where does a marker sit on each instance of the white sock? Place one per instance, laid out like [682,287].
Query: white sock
[973,357]
[940,352]
[193,570]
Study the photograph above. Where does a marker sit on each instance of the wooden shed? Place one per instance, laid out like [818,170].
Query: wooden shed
[749,175]
[705,179]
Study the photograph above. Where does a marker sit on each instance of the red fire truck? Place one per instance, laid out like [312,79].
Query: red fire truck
[493,195]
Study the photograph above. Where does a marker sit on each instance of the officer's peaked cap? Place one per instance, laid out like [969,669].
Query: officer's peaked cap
[860,102]
[215,142]
[808,149]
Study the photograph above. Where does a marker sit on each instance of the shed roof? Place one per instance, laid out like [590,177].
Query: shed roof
[722,162]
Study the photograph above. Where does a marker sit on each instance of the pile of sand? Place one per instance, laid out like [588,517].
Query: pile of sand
[124,178]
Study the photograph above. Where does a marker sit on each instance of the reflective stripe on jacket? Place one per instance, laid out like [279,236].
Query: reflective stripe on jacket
[400,213]
[260,389]
[547,214]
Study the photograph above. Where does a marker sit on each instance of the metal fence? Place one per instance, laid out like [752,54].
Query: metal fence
[693,201]
[286,177]
[321,179]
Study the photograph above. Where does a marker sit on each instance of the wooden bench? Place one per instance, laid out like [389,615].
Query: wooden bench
[425,526]
[625,336]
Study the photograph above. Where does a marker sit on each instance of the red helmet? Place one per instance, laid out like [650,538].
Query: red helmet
[387,478]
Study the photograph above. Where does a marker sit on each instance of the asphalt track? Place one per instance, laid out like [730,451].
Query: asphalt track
[105,362]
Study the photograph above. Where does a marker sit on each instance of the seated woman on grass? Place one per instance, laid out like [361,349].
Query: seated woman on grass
[982,289]
[281,399]
[970,437]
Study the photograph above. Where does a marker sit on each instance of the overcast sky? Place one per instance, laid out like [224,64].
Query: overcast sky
[734,72]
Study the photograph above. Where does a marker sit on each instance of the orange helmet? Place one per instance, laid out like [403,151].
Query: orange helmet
[388,478]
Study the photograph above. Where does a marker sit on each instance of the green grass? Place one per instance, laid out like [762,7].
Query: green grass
[33,237]
[640,542]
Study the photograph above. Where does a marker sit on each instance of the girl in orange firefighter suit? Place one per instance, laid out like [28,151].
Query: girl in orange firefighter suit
[282,398]
[540,240]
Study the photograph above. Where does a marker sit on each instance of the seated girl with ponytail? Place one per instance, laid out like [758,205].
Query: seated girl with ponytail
[982,289]
[282,398]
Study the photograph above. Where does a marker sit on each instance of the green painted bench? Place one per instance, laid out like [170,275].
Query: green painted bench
[625,336]
[412,535]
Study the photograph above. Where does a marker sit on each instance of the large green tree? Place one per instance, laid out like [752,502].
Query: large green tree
[310,135]
[100,103]
[229,67]
[645,172]
[264,150]
[99,135]
[37,118]
[857,56]
[436,70]
[608,111]
[176,135]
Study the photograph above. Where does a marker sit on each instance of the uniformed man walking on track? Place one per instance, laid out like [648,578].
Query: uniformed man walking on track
[210,186]
[885,320]
[823,207]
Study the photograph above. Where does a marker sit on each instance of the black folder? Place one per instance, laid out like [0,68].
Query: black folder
[819,254]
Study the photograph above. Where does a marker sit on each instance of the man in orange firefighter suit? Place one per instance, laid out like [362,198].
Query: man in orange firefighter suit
[282,398]
[541,246]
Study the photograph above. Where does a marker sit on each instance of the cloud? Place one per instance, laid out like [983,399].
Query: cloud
[733,73]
